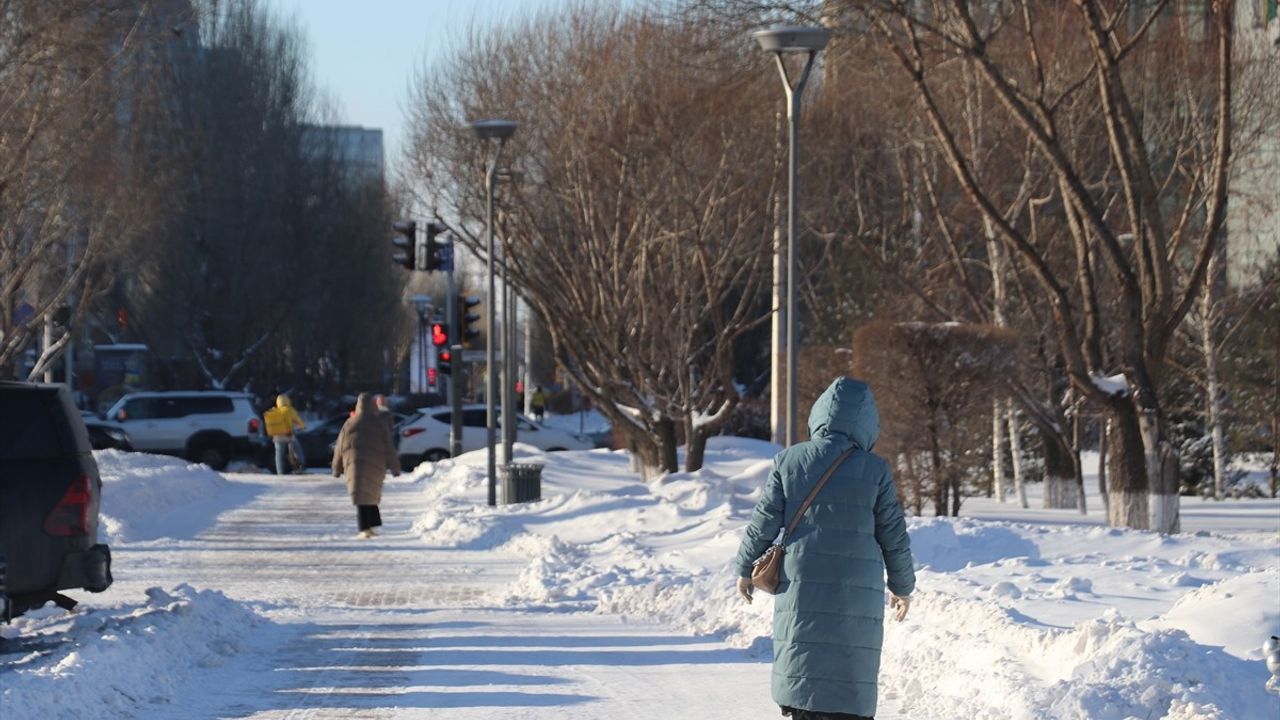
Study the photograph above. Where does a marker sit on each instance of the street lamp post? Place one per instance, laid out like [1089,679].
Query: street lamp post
[487,130]
[788,40]
[509,349]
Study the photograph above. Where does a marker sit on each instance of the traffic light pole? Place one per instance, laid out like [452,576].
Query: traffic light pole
[456,375]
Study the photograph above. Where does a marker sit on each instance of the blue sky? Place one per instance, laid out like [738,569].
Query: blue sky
[364,52]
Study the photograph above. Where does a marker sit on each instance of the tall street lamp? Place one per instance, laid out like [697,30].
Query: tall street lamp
[486,130]
[789,40]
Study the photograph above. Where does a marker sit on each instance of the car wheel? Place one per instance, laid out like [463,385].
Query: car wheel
[215,456]
[435,455]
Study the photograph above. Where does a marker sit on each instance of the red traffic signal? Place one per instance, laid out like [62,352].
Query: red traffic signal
[444,361]
[439,334]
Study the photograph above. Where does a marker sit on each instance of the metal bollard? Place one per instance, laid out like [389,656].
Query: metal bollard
[1271,650]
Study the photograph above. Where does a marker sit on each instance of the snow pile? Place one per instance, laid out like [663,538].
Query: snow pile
[91,663]
[1063,620]
[145,497]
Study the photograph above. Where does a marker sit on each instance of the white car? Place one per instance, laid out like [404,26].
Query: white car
[207,426]
[424,436]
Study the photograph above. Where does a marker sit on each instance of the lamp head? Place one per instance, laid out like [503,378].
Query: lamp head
[792,38]
[493,129]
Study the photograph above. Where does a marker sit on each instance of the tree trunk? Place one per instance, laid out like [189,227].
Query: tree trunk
[695,447]
[939,475]
[997,452]
[1015,452]
[954,482]
[1275,453]
[1059,473]
[647,456]
[1214,399]
[1077,468]
[1162,473]
[668,458]
[1102,467]
[1275,421]
[1127,476]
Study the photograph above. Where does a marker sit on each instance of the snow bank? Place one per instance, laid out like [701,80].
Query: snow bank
[1011,620]
[145,497]
[117,661]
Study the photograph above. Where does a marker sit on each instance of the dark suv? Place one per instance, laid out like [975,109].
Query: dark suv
[49,497]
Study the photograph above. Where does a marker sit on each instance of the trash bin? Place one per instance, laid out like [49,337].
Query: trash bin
[521,482]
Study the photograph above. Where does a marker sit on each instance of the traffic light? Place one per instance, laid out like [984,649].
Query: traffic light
[437,250]
[467,320]
[405,242]
[444,361]
[439,334]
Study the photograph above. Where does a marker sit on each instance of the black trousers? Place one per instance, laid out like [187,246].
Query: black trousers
[368,516]
[814,715]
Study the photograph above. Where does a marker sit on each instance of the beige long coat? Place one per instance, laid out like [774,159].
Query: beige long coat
[364,452]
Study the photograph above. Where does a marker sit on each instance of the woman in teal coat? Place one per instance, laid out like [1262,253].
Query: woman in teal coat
[828,616]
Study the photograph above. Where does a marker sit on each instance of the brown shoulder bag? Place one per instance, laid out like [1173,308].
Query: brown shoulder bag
[766,569]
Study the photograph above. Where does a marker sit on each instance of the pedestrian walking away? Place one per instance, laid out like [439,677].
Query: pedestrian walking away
[538,403]
[363,453]
[828,613]
[281,422]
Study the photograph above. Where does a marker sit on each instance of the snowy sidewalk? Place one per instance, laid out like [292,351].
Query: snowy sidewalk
[392,628]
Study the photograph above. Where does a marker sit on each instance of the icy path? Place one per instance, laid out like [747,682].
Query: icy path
[391,628]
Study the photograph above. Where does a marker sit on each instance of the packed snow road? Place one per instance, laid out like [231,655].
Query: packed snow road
[393,628]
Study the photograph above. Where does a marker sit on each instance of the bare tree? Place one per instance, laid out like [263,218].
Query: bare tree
[936,381]
[77,95]
[1154,213]
[274,269]
[639,232]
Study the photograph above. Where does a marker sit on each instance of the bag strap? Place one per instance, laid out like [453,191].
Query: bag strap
[814,493]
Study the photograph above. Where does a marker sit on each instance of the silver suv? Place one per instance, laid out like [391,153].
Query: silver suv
[206,426]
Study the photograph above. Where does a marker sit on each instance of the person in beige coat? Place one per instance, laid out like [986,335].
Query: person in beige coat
[364,452]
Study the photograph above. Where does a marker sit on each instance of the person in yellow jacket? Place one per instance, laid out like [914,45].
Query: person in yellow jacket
[281,421]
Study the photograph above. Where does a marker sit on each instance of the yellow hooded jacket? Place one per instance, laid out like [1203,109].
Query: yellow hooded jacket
[282,419]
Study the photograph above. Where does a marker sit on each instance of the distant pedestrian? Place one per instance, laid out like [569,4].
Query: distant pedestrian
[363,453]
[281,422]
[828,615]
[538,403]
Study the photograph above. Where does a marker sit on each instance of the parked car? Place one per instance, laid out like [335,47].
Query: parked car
[106,436]
[207,426]
[50,492]
[424,436]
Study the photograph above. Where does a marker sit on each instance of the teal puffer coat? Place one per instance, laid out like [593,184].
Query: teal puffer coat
[828,616]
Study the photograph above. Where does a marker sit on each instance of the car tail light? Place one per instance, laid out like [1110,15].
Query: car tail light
[410,432]
[71,515]
[253,426]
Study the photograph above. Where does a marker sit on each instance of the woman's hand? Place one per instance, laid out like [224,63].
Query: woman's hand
[745,588]
[899,605]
